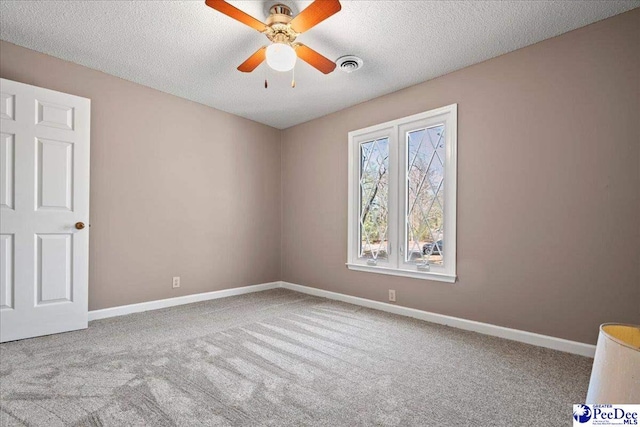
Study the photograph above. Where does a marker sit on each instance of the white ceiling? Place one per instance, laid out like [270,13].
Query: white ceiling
[190,50]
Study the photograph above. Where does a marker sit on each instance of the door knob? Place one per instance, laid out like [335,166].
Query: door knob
[79,225]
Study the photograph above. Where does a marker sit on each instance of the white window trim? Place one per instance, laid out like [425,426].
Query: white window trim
[395,264]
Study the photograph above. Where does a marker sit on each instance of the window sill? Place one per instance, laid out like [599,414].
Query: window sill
[424,275]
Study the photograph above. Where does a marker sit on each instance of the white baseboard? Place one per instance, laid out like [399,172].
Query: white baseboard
[539,340]
[171,302]
[554,343]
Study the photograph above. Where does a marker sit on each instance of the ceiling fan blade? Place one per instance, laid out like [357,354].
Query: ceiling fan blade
[253,61]
[314,59]
[317,12]
[235,13]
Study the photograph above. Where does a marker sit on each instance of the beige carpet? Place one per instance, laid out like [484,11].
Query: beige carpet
[280,358]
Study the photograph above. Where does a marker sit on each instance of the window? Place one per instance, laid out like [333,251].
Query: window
[402,196]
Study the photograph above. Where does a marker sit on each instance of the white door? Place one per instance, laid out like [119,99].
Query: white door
[44,211]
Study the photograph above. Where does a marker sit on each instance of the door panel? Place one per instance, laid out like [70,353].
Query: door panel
[44,176]
[7,106]
[55,175]
[54,257]
[7,161]
[6,271]
[54,115]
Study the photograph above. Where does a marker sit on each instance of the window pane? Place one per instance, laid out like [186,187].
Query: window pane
[425,196]
[374,199]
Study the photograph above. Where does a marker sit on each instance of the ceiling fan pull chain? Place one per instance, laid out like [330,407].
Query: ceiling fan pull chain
[293,79]
[266,84]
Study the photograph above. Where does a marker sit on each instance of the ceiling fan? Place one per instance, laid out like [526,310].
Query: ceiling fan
[282,29]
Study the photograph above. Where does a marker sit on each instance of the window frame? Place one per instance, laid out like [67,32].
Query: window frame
[396,131]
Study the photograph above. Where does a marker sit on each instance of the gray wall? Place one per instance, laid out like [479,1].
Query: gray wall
[548,188]
[177,188]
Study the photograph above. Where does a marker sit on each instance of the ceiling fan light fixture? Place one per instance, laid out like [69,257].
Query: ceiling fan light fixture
[281,57]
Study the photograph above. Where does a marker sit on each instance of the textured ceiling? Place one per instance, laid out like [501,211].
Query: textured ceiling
[190,50]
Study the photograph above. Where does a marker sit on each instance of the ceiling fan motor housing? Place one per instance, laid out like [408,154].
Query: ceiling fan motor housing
[280,9]
[278,29]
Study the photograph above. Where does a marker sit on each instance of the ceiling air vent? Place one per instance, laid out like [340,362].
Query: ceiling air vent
[349,63]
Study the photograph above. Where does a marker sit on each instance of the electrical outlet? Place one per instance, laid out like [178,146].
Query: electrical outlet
[392,295]
[176,282]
